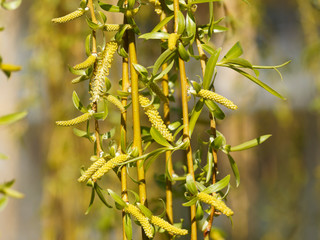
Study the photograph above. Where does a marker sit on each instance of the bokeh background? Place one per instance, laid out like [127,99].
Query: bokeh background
[279,194]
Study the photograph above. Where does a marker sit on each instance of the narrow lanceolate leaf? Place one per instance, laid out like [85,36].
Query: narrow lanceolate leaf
[92,169]
[87,63]
[112,163]
[214,201]
[172,40]
[167,226]
[206,94]
[115,101]
[10,67]
[250,144]
[154,118]
[102,70]
[218,185]
[71,16]
[13,117]
[77,120]
[143,220]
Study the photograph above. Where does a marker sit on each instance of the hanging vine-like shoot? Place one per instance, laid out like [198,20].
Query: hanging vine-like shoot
[87,63]
[154,118]
[71,16]
[92,169]
[143,220]
[167,226]
[84,117]
[112,163]
[214,201]
[102,70]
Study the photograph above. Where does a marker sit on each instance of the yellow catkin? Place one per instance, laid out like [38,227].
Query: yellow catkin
[111,27]
[172,40]
[154,87]
[214,201]
[9,67]
[102,70]
[70,16]
[154,118]
[112,163]
[167,226]
[92,169]
[217,98]
[116,102]
[143,220]
[87,63]
[84,117]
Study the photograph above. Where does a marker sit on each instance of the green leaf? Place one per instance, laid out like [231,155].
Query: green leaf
[13,117]
[3,157]
[10,5]
[250,144]
[131,4]
[156,135]
[183,53]
[238,61]
[190,184]
[181,23]
[164,57]
[202,1]
[117,198]
[217,143]
[88,45]
[141,69]
[191,26]
[261,84]
[210,165]
[93,25]
[235,169]
[110,8]
[93,193]
[214,109]
[12,193]
[190,203]
[164,72]
[77,72]
[210,68]
[155,35]
[145,210]
[3,202]
[216,187]
[98,191]
[162,24]
[128,226]
[173,126]
[196,86]
[234,52]
[195,115]
[77,103]
[208,49]
[199,211]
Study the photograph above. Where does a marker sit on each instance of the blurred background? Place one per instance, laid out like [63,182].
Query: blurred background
[280,180]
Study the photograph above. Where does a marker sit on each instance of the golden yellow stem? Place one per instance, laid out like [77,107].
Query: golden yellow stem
[185,114]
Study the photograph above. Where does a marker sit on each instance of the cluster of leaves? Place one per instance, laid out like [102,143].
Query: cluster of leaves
[175,45]
[5,188]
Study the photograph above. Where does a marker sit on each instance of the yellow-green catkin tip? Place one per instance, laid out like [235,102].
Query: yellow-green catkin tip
[69,17]
[217,98]
[112,163]
[84,117]
[154,87]
[167,226]
[143,220]
[172,40]
[116,102]
[154,118]
[111,27]
[92,169]
[87,63]
[214,201]
[102,70]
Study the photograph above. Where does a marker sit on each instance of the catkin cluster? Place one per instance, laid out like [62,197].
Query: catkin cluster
[70,16]
[143,220]
[87,63]
[217,98]
[112,163]
[167,226]
[214,201]
[92,169]
[84,117]
[154,118]
[102,70]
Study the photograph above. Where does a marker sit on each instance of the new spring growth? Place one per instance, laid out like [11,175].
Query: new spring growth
[87,63]
[143,220]
[167,226]
[154,118]
[102,70]
[84,117]
[71,16]
[157,6]
[92,169]
[154,87]
[115,101]
[112,163]
[172,40]
[215,202]
[206,94]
